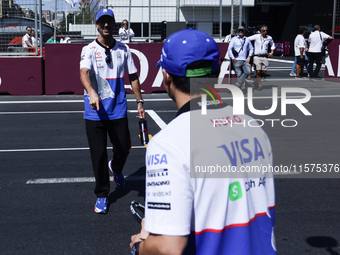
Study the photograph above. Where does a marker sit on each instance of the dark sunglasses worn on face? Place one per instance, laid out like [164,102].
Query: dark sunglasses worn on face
[264,30]
[108,56]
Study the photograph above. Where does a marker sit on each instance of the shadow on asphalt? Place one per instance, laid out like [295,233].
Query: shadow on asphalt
[323,242]
[133,182]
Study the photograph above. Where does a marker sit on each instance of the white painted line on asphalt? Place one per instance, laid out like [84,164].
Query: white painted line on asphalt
[74,101]
[153,114]
[78,180]
[287,61]
[91,179]
[42,102]
[46,112]
[281,60]
[155,117]
[60,149]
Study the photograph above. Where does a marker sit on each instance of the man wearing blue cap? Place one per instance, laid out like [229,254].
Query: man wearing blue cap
[102,67]
[193,204]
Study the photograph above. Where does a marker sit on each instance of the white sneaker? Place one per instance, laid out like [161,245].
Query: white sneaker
[292,74]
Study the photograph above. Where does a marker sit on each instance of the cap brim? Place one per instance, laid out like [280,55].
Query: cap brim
[105,15]
[158,63]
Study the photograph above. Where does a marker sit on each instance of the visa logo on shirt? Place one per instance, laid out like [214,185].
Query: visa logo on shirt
[157,159]
[243,151]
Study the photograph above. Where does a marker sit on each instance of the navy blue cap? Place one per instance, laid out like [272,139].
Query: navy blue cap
[185,47]
[103,12]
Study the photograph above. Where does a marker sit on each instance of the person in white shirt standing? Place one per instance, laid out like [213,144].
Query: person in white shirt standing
[124,32]
[300,51]
[316,41]
[26,39]
[262,41]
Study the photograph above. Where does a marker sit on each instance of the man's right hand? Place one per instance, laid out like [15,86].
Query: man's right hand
[94,101]
[235,60]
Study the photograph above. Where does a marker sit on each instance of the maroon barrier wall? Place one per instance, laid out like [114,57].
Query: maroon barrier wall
[332,70]
[62,67]
[21,76]
[282,47]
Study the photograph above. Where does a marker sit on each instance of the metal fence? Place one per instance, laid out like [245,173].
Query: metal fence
[16,21]
[336,19]
[151,20]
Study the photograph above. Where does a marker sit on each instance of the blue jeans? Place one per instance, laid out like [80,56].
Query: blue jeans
[242,70]
[294,65]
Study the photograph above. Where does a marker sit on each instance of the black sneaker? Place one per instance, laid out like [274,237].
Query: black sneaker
[259,88]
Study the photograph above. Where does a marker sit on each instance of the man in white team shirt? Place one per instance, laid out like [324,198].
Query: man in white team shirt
[316,40]
[187,209]
[102,67]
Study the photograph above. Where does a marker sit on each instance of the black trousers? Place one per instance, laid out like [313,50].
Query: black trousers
[317,58]
[119,135]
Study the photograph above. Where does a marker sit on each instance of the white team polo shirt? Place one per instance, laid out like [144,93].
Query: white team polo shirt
[227,214]
[107,79]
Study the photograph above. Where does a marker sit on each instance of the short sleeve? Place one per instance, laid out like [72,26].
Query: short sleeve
[129,64]
[86,58]
[169,195]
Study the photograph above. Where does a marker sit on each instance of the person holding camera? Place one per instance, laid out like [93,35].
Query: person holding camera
[240,50]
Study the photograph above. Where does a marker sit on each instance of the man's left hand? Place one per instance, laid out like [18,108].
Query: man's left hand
[270,55]
[141,111]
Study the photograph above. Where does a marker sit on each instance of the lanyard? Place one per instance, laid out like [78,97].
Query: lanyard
[264,40]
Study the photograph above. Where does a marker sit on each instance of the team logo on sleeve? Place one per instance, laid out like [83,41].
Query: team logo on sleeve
[159,206]
[235,191]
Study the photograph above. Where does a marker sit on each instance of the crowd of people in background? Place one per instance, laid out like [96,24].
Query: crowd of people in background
[309,48]
[29,40]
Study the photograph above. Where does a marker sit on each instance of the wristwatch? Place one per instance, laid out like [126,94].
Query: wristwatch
[140,101]
[135,248]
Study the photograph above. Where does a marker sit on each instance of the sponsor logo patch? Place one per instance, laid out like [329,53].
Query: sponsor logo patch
[159,206]
[157,172]
[159,183]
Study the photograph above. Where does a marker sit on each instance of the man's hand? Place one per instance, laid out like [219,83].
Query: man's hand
[139,237]
[141,111]
[94,101]
[235,60]
[270,55]
[248,60]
